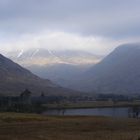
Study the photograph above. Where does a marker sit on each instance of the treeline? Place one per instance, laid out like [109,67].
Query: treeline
[25,102]
[115,97]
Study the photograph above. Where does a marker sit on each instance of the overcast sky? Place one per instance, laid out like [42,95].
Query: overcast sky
[92,25]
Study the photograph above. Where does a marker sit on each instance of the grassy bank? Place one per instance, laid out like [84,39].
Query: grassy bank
[93,104]
[35,127]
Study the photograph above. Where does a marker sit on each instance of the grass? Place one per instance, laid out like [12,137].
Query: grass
[93,104]
[15,126]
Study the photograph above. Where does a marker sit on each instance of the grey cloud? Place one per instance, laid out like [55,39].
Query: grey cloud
[111,18]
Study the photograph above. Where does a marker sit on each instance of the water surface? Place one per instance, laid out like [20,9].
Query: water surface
[112,112]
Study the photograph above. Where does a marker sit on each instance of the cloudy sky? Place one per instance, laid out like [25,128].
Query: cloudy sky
[91,25]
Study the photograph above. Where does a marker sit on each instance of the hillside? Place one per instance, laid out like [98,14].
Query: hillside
[118,73]
[14,79]
[60,66]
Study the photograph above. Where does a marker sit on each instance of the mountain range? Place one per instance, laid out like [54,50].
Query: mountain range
[61,67]
[15,79]
[118,73]
[50,57]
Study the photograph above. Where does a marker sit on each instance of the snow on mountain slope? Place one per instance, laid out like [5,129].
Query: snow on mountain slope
[45,56]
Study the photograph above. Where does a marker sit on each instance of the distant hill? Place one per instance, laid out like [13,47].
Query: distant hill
[14,79]
[62,74]
[60,66]
[48,57]
[118,73]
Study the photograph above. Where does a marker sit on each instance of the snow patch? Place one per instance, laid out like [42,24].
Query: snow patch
[20,54]
[34,53]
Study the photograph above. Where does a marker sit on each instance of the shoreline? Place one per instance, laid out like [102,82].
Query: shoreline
[84,106]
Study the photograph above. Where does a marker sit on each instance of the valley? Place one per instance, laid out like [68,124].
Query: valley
[69,70]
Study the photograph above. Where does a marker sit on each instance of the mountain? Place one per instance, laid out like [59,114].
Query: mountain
[62,74]
[15,79]
[61,67]
[118,73]
[48,57]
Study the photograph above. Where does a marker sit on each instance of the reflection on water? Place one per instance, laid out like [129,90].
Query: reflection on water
[112,112]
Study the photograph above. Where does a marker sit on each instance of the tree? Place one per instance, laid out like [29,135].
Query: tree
[25,97]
